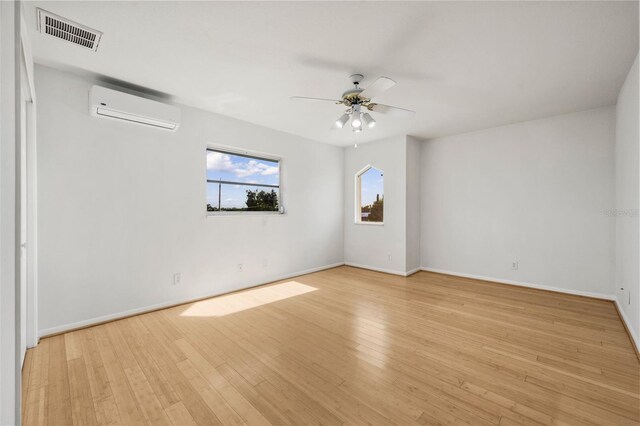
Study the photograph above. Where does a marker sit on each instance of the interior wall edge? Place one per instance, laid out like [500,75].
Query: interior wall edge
[10,116]
[383,270]
[627,202]
[593,295]
[413,271]
[163,305]
[635,341]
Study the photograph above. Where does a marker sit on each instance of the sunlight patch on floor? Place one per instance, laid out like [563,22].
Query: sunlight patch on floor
[238,302]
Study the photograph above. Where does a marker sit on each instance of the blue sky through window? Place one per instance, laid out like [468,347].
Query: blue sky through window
[237,168]
[371,183]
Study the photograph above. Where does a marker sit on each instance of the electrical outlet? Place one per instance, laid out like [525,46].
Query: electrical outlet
[389,257]
[177,278]
[240,267]
[514,266]
[265,263]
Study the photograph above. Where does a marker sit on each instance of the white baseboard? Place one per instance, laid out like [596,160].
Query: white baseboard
[412,271]
[627,323]
[148,308]
[386,271]
[123,314]
[524,284]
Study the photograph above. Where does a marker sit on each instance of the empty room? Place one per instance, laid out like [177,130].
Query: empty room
[319,212]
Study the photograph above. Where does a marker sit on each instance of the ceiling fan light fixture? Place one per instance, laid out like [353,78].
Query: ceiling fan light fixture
[359,101]
[356,121]
[368,120]
[340,122]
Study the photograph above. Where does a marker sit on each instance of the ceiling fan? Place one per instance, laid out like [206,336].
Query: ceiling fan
[358,101]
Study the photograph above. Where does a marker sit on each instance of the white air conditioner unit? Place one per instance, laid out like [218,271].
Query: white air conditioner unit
[107,103]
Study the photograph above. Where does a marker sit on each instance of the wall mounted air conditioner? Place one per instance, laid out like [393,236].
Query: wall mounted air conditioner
[107,103]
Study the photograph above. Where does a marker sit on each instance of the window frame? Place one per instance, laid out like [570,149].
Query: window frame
[358,197]
[255,156]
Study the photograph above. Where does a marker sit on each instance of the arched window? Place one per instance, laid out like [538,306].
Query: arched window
[370,196]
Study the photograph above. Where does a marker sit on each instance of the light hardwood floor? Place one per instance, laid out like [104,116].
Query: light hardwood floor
[346,346]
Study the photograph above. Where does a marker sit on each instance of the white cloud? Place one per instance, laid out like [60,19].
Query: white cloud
[220,162]
[253,167]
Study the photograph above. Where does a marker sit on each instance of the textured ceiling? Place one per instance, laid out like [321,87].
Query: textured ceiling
[462,66]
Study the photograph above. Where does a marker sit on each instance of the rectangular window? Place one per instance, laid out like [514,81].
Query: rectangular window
[370,196]
[242,183]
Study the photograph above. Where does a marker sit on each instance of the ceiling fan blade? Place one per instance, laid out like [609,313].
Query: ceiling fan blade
[391,110]
[382,84]
[304,98]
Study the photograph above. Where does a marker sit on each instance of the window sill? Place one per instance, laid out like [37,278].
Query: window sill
[370,223]
[210,214]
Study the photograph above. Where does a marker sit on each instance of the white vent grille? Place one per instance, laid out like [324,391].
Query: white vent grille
[70,31]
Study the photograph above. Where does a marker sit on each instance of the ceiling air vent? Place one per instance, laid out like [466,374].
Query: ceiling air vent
[62,28]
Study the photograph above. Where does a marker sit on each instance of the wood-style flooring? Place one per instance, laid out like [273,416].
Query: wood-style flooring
[346,346]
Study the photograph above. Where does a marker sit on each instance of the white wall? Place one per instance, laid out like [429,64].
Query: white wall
[122,208]
[9,299]
[370,245]
[114,230]
[29,260]
[534,192]
[413,204]
[627,205]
